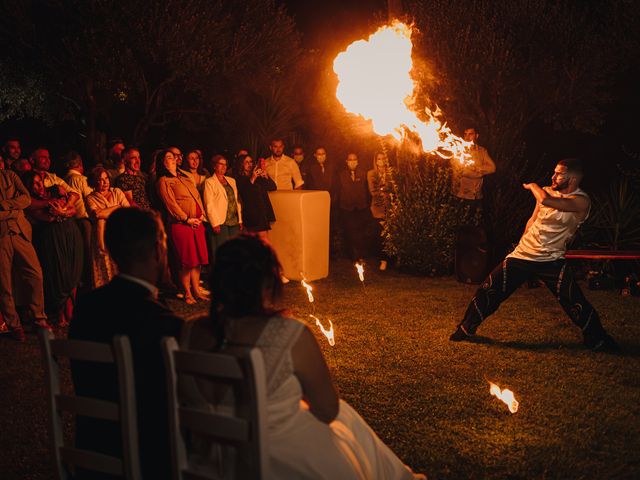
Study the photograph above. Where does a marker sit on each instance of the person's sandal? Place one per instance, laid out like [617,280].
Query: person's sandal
[43,324]
[189,300]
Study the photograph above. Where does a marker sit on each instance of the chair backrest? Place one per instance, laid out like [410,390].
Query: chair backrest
[245,431]
[123,412]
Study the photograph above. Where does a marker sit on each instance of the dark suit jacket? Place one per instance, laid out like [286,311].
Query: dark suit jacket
[352,194]
[317,180]
[123,307]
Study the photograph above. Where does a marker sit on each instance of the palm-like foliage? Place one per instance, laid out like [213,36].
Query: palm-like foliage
[614,223]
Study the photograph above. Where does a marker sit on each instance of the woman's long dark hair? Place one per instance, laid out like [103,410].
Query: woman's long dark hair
[161,170]
[245,270]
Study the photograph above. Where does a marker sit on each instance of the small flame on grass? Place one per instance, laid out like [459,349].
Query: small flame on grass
[360,269]
[327,333]
[505,396]
[309,290]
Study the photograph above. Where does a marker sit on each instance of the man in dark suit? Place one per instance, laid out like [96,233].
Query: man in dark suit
[128,305]
[320,173]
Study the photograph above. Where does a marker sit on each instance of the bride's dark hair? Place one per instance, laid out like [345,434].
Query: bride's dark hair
[245,270]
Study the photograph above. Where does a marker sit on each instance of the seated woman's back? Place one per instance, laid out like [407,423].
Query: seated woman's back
[311,433]
[294,365]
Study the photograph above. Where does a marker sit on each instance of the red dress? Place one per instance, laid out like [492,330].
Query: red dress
[190,243]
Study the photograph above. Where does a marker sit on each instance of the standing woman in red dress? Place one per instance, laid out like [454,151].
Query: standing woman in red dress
[185,217]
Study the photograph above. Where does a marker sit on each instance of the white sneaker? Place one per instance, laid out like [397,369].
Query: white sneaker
[383,265]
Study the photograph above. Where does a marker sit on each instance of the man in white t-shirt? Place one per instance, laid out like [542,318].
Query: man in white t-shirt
[283,170]
[560,209]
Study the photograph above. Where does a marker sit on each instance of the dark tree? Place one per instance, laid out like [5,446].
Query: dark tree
[162,63]
[505,66]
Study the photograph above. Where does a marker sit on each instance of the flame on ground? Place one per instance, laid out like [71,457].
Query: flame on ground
[360,269]
[505,396]
[309,290]
[375,82]
[327,333]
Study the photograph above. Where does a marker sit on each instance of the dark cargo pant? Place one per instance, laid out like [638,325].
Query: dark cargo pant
[559,279]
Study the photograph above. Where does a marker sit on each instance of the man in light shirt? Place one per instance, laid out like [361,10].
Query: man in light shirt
[283,170]
[560,209]
[41,162]
[467,180]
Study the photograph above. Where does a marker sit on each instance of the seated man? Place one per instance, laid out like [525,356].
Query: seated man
[127,305]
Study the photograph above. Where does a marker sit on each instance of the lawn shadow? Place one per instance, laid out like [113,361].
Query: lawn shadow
[626,349]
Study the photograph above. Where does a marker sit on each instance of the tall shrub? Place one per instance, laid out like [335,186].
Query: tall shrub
[421,223]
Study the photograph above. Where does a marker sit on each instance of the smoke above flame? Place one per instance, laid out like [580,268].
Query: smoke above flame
[375,82]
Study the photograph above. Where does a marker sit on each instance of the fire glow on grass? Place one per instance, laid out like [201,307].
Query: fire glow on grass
[327,333]
[505,396]
[375,82]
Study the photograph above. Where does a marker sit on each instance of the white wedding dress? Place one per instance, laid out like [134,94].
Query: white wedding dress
[300,446]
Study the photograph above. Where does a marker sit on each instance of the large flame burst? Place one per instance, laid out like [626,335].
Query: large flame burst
[375,82]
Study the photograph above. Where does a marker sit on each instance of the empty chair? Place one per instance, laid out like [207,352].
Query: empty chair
[68,458]
[238,432]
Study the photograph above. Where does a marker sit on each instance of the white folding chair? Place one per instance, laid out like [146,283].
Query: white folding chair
[123,412]
[245,431]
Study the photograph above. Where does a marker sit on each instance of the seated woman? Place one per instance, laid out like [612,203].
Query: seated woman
[58,243]
[101,203]
[311,432]
[253,187]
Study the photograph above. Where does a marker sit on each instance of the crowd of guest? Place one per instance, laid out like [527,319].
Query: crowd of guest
[201,208]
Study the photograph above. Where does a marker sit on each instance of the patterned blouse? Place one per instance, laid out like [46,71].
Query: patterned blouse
[232,206]
[137,184]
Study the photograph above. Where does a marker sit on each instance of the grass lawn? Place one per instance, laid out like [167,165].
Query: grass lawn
[427,398]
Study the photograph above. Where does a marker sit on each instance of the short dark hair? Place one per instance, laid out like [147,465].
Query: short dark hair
[213,161]
[574,165]
[114,141]
[129,149]
[131,235]
[94,175]
[72,159]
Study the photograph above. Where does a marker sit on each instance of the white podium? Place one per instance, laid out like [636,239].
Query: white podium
[300,234]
